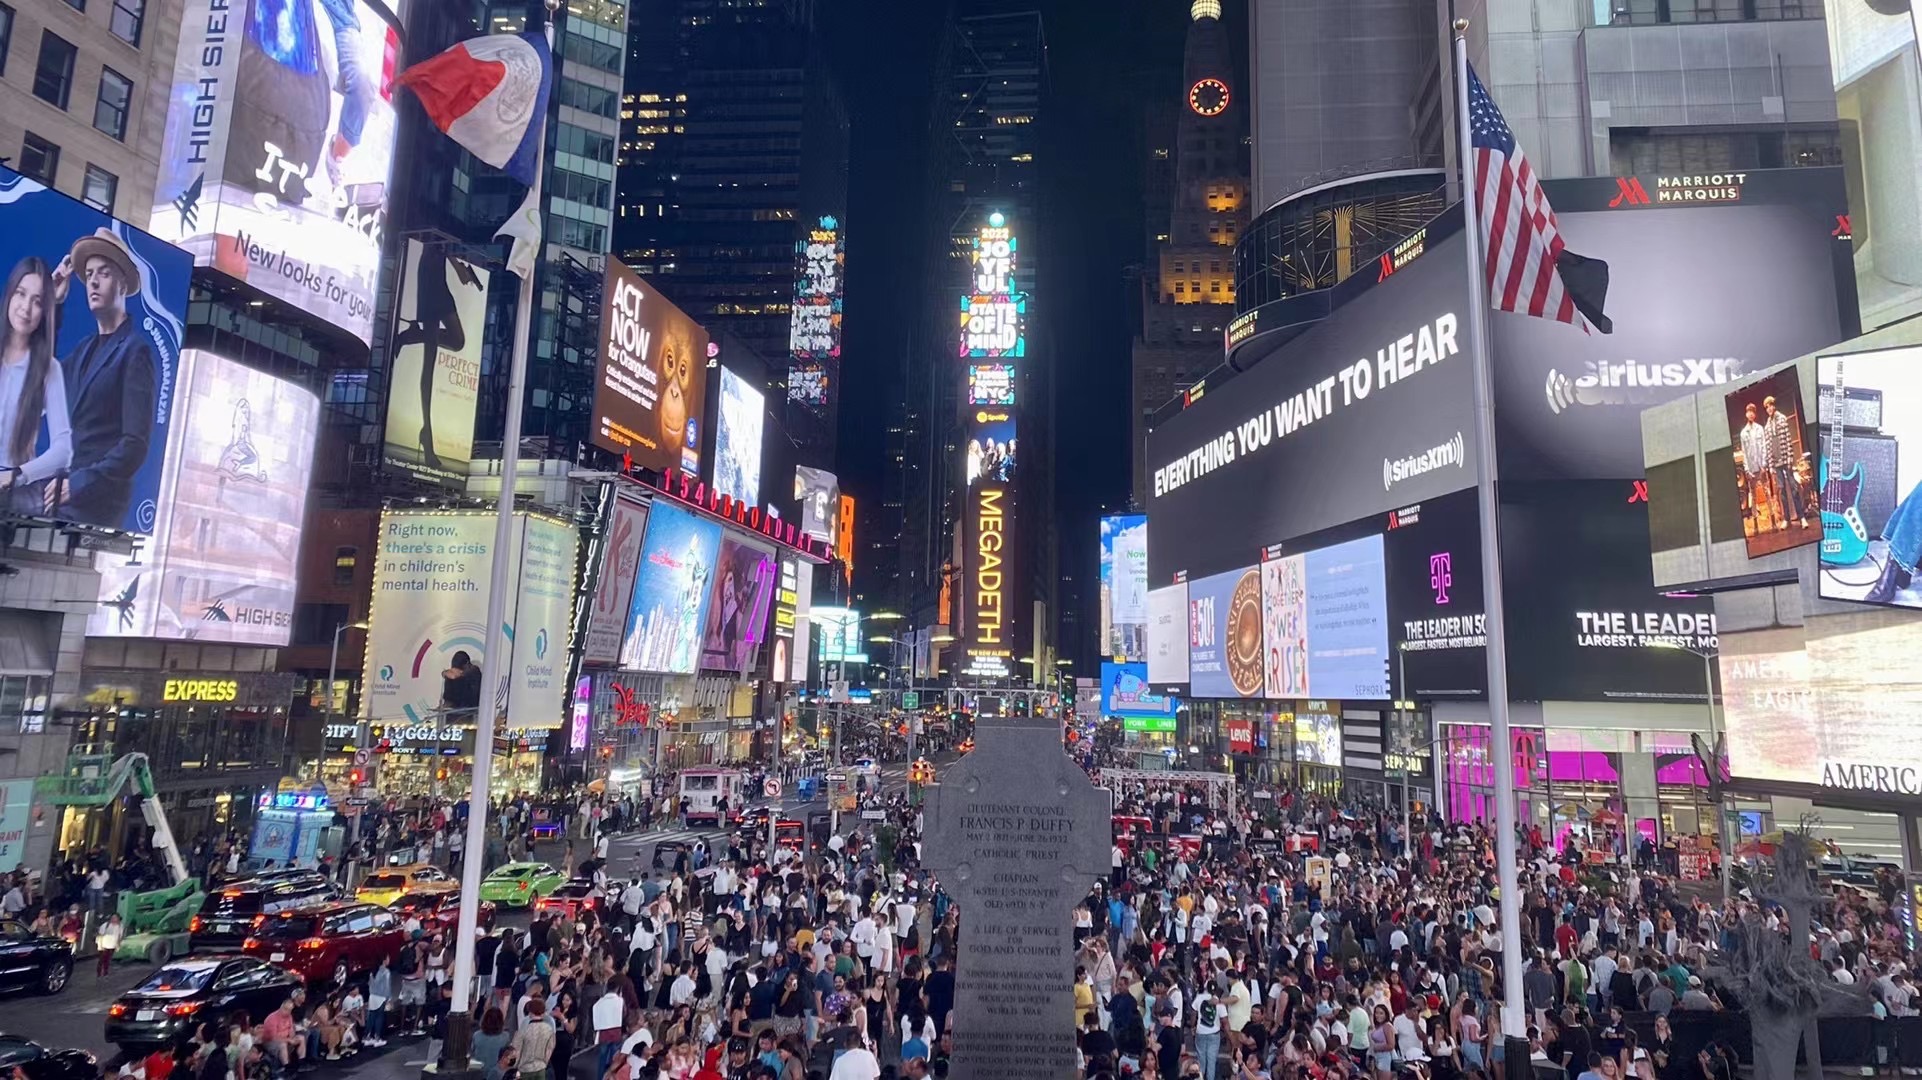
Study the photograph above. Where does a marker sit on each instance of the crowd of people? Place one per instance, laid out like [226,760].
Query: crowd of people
[1289,938]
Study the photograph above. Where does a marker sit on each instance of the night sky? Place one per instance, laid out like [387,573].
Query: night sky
[1101,69]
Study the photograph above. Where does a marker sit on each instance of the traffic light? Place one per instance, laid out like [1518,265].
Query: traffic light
[356,777]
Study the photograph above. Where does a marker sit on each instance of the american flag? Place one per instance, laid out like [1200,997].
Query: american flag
[1521,241]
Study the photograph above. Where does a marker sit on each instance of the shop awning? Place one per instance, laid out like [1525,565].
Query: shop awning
[27,642]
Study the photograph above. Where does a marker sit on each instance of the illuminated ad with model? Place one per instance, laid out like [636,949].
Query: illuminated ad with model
[435,384]
[221,564]
[278,142]
[840,635]
[1870,472]
[620,547]
[814,328]
[652,382]
[672,591]
[737,439]
[1124,587]
[819,494]
[430,609]
[737,612]
[84,437]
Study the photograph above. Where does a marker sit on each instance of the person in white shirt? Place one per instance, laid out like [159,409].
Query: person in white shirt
[862,935]
[1408,1040]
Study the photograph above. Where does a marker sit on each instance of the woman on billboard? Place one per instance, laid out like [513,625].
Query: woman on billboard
[32,388]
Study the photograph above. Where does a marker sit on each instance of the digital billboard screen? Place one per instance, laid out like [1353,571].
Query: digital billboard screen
[819,494]
[994,314]
[1124,587]
[1774,472]
[434,386]
[1706,287]
[671,593]
[1318,734]
[814,326]
[991,447]
[1125,693]
[991,384]
[102,305]
[1369,409]
[737,612]
[737,443]
[1433,553]
[1870,460]
[279,138]
[1224,634]
[1168,635]
[840,635]
[652,381]
[614,590]
[222,562]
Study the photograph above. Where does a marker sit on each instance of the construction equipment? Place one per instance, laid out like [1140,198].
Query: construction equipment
[154,922]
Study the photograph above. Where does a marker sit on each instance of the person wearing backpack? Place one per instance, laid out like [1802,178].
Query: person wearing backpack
[413,985]
[1207,1031]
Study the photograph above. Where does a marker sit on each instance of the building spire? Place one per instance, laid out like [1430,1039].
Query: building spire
[1204,9]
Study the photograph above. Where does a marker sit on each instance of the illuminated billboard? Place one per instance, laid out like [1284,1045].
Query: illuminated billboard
[435,382]
[275,156]
[94,398]
[1870,474]
[840,635]
[844,536]
[431,577]
[990,583]
[991,447]
[993,314]
[620,564]
[1124,588]
[737,612]
[737,443]
[814,328]
[991,384]
[671,593]
[819,494]
[223,558]
[652,381]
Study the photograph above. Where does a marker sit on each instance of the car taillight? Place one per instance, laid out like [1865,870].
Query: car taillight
[195,925]
[260,921]
[118,1010]
[313,944]
[251,943]
[185,1008]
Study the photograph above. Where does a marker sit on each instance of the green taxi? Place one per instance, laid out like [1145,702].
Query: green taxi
[519,884]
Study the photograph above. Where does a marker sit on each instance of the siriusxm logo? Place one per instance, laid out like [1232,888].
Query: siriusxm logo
[1632,382]
[1396,470]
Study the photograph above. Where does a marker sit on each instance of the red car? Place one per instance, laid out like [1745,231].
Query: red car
[573,897]
[438,909]
[334,942]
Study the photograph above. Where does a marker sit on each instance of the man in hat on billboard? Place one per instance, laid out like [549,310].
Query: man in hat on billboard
[110,387]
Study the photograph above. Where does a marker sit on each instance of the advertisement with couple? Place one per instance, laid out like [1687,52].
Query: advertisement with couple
[88,362]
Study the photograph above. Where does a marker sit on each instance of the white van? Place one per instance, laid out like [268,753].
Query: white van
[703,788]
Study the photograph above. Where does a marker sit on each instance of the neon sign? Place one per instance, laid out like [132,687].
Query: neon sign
[702,496]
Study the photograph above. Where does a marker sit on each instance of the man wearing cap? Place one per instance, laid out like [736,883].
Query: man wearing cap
[111,378]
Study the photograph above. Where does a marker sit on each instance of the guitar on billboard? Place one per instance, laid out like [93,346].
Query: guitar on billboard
[1845,541]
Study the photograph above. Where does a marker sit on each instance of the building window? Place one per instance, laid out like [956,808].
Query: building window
[346,559]
[1178,289]
[6,35]
[110,108]
[53,82]
[99,189]
[39,158]
[127,19]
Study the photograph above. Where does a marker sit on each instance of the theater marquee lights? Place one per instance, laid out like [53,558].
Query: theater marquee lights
[992,315]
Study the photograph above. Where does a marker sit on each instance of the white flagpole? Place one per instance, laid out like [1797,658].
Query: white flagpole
[1514,1018]
[498,667]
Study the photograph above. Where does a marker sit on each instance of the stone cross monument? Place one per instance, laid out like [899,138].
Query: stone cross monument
[1017,835]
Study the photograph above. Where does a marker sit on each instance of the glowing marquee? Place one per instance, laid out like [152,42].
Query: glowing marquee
[992,315]
[814,327]
[987,641]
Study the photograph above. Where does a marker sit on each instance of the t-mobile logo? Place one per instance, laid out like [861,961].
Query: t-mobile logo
[1441,574]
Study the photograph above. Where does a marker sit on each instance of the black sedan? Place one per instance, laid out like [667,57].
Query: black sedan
[166,1008]
[42,1063]
[41,961]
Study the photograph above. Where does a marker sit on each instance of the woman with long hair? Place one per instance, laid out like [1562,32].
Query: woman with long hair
[32,388]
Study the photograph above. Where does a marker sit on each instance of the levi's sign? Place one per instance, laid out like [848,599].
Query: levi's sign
[1395,363]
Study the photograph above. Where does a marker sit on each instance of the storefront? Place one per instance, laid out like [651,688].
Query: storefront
[214,741]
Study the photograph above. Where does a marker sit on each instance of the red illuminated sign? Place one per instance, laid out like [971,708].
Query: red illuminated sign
[696,493]
[1629,192]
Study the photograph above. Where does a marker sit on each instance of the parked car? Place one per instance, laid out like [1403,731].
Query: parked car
[573,897]
[229,914]
[519,884]
[164,1009]
[42,961]
[43,1063]
[335,942]
[438,907]
[386,886]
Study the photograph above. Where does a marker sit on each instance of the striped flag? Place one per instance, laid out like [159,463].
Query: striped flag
[1530,272]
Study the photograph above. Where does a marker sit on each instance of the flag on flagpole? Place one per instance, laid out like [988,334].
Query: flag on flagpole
[489,94]
[1529,270]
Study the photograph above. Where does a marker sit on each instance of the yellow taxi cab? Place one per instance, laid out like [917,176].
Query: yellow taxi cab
[389,883]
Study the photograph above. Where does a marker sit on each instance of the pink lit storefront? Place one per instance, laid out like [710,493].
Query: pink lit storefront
[1596,784]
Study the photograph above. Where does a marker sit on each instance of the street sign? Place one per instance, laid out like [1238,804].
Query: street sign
[874,815]
[837,778]
[362,756]
[771,787]
[910,699]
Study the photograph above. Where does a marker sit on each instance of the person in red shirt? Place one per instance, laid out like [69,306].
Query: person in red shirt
[1565,938]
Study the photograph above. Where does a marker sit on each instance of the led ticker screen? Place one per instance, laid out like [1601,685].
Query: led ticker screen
[814,329]
[991,384]
[993,313]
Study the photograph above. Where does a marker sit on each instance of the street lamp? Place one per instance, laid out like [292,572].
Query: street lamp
[886,616]
[333,667]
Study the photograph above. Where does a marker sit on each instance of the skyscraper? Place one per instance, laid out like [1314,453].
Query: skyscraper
[733,151]
[1191,258]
